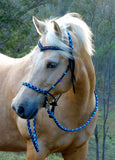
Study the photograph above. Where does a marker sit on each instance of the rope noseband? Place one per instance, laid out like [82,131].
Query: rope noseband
[71,67]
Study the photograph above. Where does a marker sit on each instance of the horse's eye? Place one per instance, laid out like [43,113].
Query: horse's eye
[51,65]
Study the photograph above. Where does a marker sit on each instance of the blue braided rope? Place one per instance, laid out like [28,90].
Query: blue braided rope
[39,90]
[51,114]
[42,48]
[33,135]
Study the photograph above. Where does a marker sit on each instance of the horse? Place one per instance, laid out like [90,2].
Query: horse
[71,46]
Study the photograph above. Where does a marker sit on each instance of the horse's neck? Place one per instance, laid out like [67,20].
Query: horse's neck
[18,72]
[83,100]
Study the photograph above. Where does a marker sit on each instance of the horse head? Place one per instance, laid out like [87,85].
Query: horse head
[53,70]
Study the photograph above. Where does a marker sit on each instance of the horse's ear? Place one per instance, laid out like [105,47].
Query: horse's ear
[57,29]
[40,26]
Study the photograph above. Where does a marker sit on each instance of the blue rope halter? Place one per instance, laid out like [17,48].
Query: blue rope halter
[71,67]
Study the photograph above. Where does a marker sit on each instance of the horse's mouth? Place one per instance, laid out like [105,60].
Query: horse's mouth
[32,115]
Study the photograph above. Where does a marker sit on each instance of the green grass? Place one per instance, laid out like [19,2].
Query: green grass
[22,156]
[12,156]
[55,157]
[110,142]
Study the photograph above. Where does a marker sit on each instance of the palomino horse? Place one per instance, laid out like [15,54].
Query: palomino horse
[61,39]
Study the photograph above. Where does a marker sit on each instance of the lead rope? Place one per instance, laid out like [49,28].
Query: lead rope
[33,135]
[51,115]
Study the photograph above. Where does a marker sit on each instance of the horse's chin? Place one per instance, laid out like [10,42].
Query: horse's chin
[32,115]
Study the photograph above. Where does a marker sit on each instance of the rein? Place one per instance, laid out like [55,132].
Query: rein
[71,67]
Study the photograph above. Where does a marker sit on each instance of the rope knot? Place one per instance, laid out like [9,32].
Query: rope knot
[51,114]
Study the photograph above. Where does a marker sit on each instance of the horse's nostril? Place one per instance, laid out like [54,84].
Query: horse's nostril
[21,110]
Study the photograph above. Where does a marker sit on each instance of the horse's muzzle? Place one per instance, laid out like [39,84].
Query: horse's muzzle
[27,110]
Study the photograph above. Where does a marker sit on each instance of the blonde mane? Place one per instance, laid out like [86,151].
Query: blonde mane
[78,26]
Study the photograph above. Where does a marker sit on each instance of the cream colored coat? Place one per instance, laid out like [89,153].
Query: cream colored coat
[73,110]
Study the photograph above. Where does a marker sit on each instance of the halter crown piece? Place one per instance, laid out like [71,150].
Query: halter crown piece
[71,67]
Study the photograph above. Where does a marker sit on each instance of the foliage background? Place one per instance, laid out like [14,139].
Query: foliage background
[18,36]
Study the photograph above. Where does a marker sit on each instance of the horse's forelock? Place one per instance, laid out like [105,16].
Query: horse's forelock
[78,26]
[61,42]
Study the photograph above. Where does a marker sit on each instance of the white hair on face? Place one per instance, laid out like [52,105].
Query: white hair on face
[38,58]
[78,26]
[62,42]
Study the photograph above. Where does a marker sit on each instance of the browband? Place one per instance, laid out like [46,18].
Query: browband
[42,48]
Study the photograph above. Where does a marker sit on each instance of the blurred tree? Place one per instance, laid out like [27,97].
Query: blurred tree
[99,14]
[16,35]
